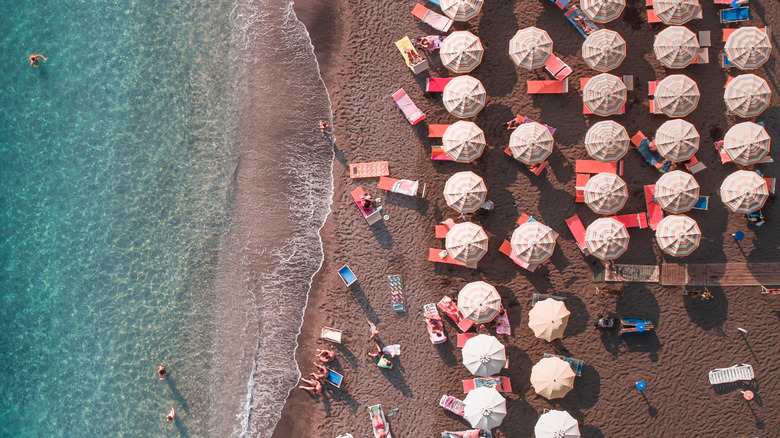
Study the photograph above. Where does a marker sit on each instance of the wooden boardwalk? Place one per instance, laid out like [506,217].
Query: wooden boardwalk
[721,274]
[630,274]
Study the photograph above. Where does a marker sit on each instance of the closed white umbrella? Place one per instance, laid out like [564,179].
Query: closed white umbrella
[747,95]
[461,10]
[531,143]
[606,193]
[607,141]
[552,377]
[463,141]
[676,47]
[604,50]
[461,52]
[676,191]
[746,143]
[530,47]
[744,191]
[548,319]
[676,95]
[676,11]
[605,95]
[678,235]
[465,192]
[677,140]
[464,96]
[484,356]
[484,408]
[606,238]
[466,242]
[556,424]
[748,48]
[479,302]
[602,11]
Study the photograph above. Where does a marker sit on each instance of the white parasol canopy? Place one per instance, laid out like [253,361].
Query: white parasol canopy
[483,355]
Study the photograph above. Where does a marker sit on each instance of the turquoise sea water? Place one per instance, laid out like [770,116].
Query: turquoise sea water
[116,160]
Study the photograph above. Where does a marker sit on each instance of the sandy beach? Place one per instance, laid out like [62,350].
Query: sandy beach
[362,69]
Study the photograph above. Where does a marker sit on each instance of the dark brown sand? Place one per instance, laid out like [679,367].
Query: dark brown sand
[362,68]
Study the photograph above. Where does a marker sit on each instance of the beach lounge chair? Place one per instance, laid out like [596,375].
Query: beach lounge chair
[653,158]
[369,170]
[396,293]
[427,16]
[334,378]
[450,309]
[377,412]
[584,25]
[438,154]
[444,228]
[561,3]
[734,15]
[727,32]
[705,38]
[724,61]
[402,186]
[694,165]
[629,325]
[373,214]
[731,374]
[580,181]
[576,364]
[724,157]
[452,404]
[506,249]
[503,326]
[499,383]
[557,68]
[521,119]
[345,435]
[472,433]
[633,220]
[462,338]
[702,56]
[548,87]
[756,218]
[437,255]
[347,275]
[437,131]
[436,85]
[410,110]
[594,167]
[768,291]
[770,185]
[409,52]
[654,211]
[535,298]
[434,324]
[578,231]
[331,334]
[702,204]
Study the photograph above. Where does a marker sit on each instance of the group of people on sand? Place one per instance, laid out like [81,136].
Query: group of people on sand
[315,386]
[163,373]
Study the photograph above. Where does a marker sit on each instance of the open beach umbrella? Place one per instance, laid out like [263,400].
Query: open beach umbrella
[530,47]
[676,191]
[464,96]
[606,238]
[746,143]
[744,191]
[605,193]
[465,192]
[484,408]
[607,141]
[747,95]
[676,95]
[676,47]
[531,143]
[677,140]
[676,11]
[602,11]
[604,94]
[466,242]
[556,424]
[483,355]
[604,50]
[548,319]
[552,377]
[463,141]
[748,47]
[479,302]
[461,52]
[533,242]
[461,10]
[678,235]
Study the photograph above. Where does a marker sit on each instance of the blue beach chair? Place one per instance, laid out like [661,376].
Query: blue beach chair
[702,204]
[334,378]
[734,15]
[347,275]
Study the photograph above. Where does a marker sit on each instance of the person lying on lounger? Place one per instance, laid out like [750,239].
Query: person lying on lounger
[323,372]
[434,327]
[414,58]
[368,202]
[376,420]
[315,388]
[325,355]
[513,124]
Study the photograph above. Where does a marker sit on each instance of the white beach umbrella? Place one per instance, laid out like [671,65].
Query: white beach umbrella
[557,424]
[747,95]
[676,191]
[533,242]
[607,141]
[676,11]
[746,143]
[602,11]
[461,52]
[548,319]
[606,193]
[606,238]
[530,47]
[552,377]
[463,141]
[466,242]
[605,95]
[677,140]
[479,302]
[676,47]
[676,95]
[483,355]
[461,10]
[748,47]
[531,143]
[678,235]
[604,50]
[465,192]
[464,96]
[744,191]
[484,408]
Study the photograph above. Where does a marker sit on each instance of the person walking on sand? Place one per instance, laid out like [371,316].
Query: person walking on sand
[162,373]
[171,414]
[35,59]
[372,329]
[315,388]
[324,127]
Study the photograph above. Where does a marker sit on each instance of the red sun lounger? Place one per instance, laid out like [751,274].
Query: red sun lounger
[402,186]
[410,110]
[435,255]
[436,85]
[499,383]
[464,337]
[427,16]
[727,32]
[581,180]
[438,154]
[654,211]
[537,168]
[557,68]
[578,231]
[506,249]
[453,405]
[548,87]
[593,167]
[437,131]
[633,220]
[448,307]
[372,215]
[369,170]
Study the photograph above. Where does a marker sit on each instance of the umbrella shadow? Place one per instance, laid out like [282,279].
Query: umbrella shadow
[708,314]
[516,422]
[580,317]
[447,353]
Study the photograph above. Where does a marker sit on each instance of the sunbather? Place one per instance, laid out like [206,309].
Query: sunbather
[323,372]
[325,355]
[379,425]
[414,58]
[434,326]
[368,202]
[513,124]
[315,388]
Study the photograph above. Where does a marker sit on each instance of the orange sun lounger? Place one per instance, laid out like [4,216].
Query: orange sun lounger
[499,383]
[435,255]
[593,167]
[437,131]
[410,110]
[436,85]
[548,87]
[402,186]
[578,231]
[427,16]
[369,170]
[448,307]
[464,337]
[633,220]
[557,68]
[438,154]
[581,180]
[654,211]
[506,249]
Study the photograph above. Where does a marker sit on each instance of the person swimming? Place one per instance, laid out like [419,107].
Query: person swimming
[35,59]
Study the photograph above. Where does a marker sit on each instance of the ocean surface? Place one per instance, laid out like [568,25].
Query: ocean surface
[153,171]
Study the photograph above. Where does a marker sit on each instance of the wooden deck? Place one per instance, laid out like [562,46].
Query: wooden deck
[630,274]
[721,274]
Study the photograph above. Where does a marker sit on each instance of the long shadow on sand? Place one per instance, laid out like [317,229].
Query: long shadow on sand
[361,298]
[447,353]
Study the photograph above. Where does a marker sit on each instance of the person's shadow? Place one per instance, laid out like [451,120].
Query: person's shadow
[177,395]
